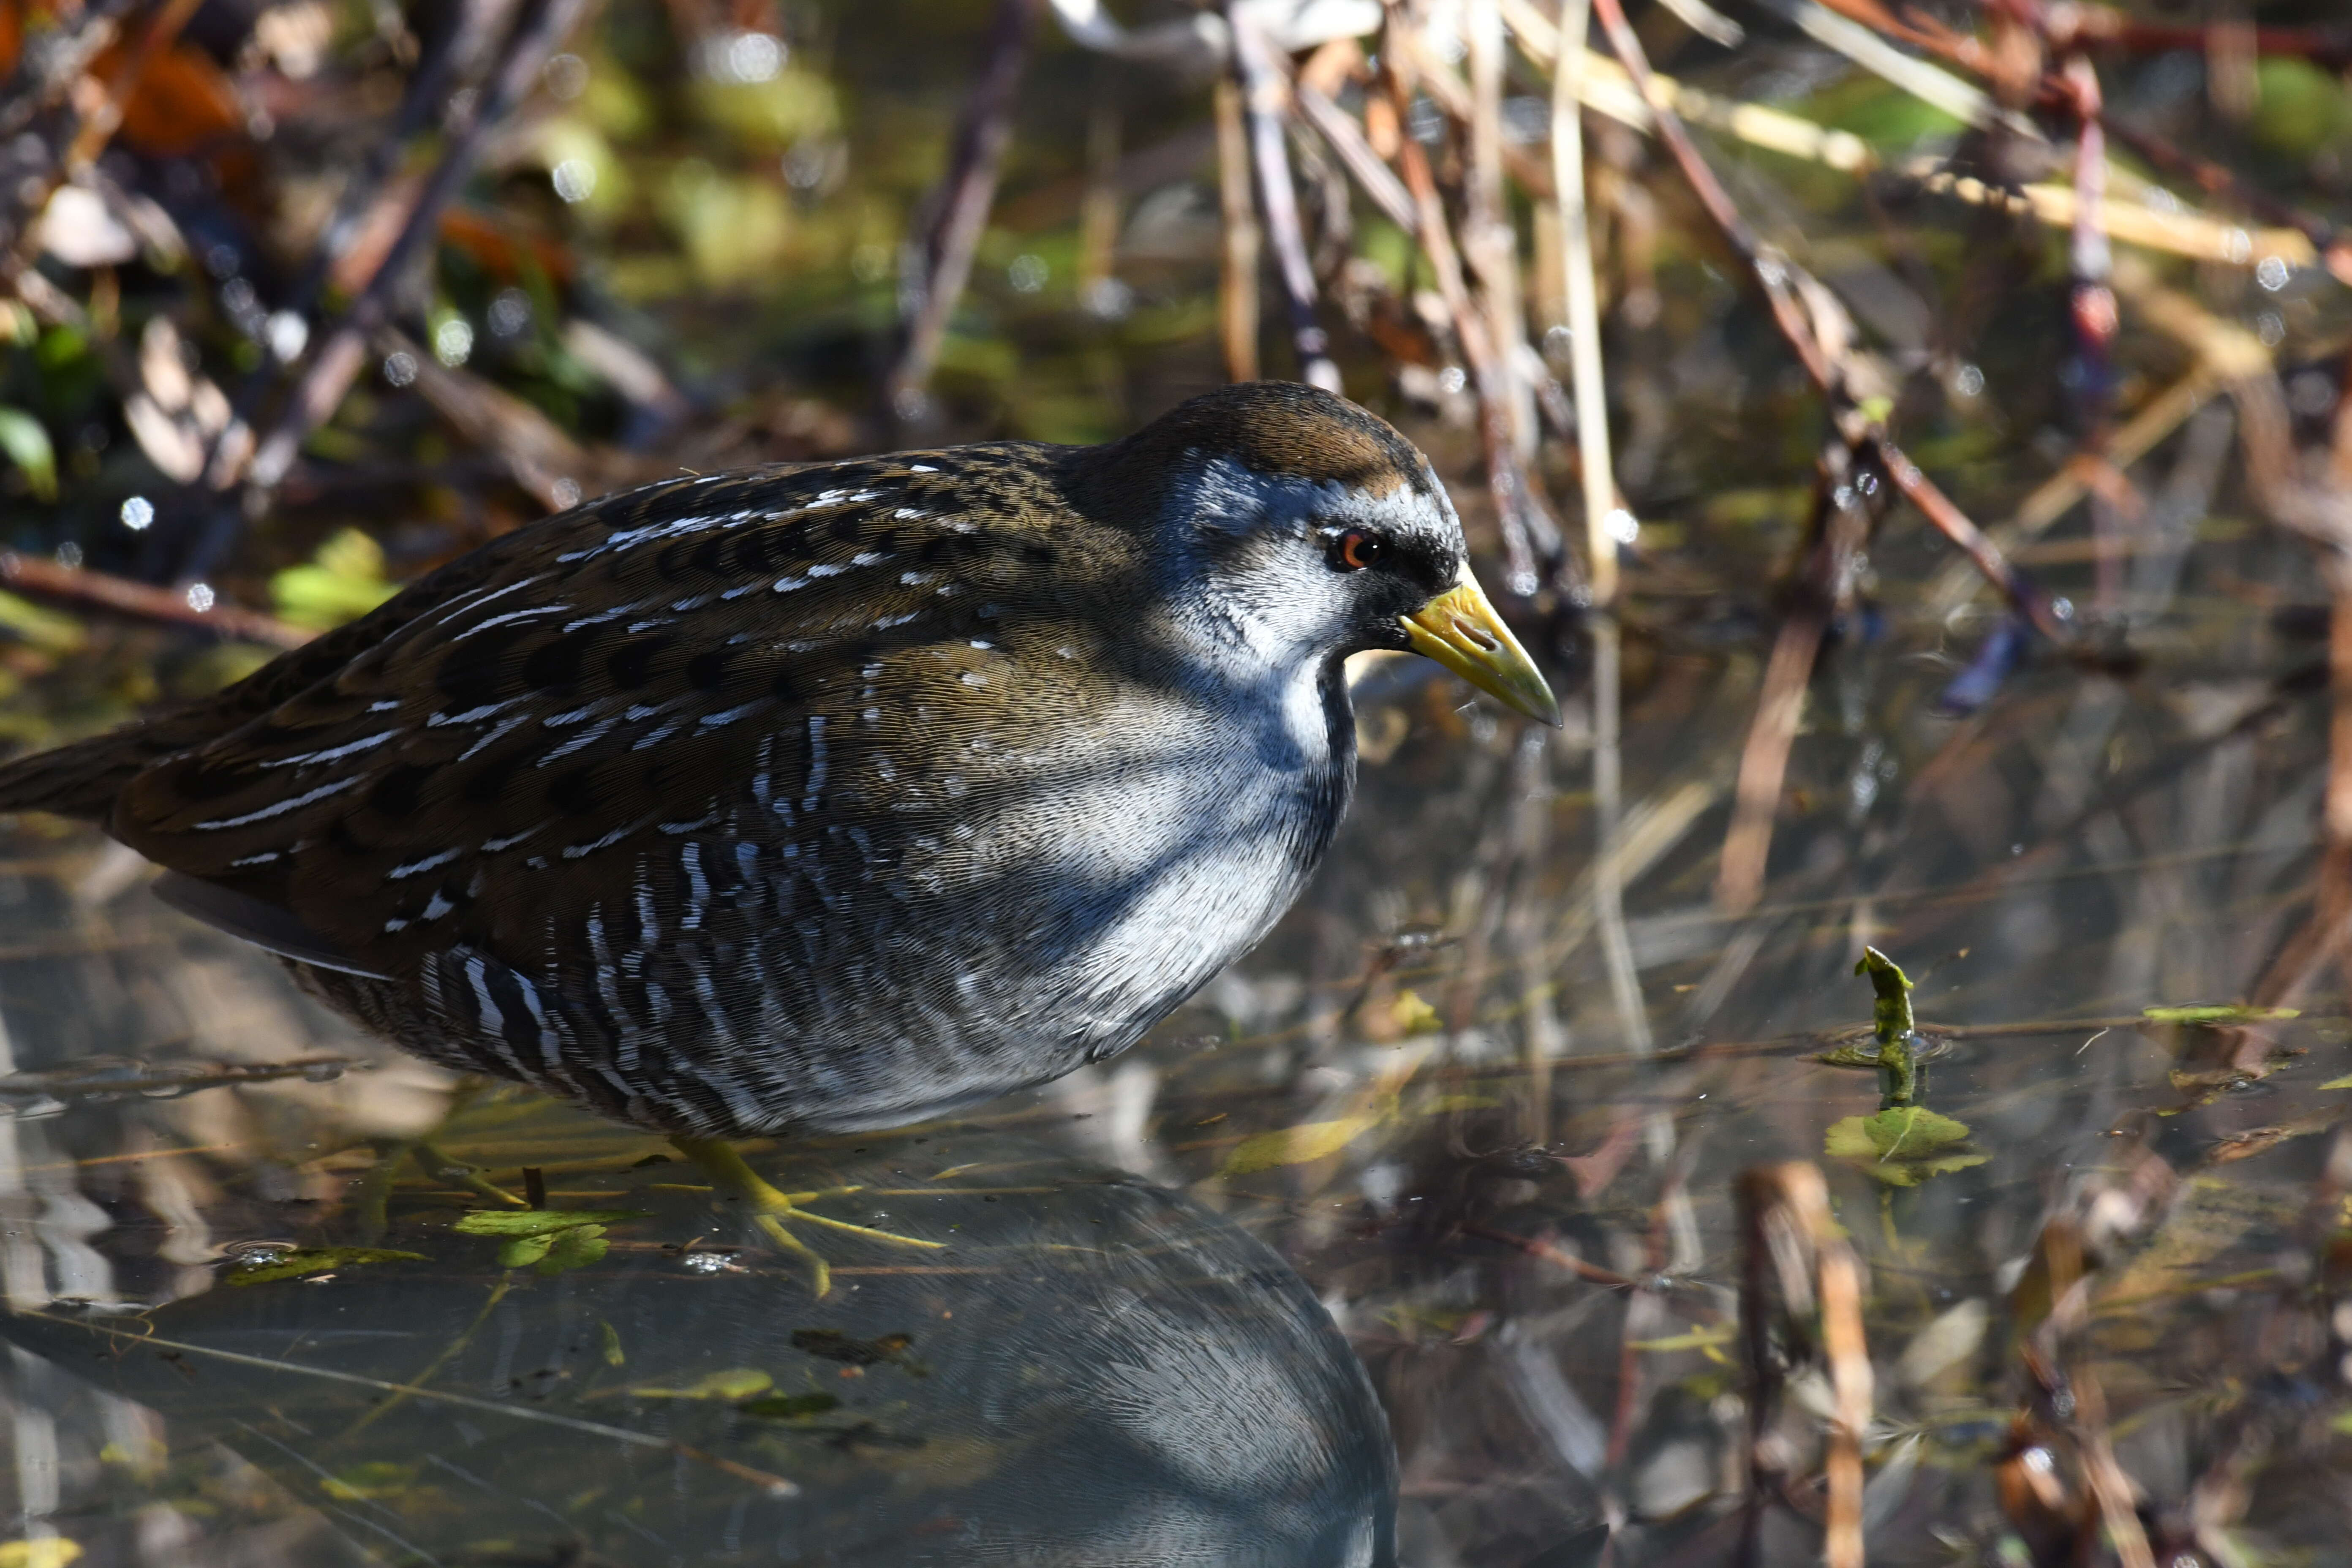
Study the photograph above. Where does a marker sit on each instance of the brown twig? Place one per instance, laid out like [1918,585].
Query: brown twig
[540,27]
[1529,533]
[2057,1285]
[1265,92]
[1797,1271]
[1237,276]
[99,127]
[144,600]
[1764,763]
[1346,138]
[29,192]
[1489,243]
[2092,302]
[935,273]
[426,91]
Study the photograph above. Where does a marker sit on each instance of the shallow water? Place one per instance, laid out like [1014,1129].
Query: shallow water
[1527,1234]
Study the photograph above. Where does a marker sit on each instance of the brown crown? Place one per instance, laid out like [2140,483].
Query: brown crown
[1274,427]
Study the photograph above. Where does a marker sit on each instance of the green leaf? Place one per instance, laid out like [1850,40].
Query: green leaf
[574,1248]
[539,1221]
[2344,1082]
[1300,1145]
[26,441]
[1413,1015]
[789,1406]
[341,582]
[51,631]
[734,1385]
[2227,1013]
[1698,1338]
[1908,1129]
[2301,108]
[303,1261]
[525,1250]
[1904,1146]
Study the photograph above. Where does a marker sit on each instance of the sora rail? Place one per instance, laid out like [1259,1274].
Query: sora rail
[821,797]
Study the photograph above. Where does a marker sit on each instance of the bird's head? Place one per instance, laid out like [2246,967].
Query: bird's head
[1293,521]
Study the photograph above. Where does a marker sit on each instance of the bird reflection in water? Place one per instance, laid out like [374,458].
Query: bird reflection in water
[1095,1370]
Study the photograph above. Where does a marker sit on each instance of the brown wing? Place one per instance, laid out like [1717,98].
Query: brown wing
[607,685]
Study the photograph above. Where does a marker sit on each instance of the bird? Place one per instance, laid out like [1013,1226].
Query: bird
[821,797]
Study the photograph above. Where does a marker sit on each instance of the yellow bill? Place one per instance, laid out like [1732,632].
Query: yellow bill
[1460,630]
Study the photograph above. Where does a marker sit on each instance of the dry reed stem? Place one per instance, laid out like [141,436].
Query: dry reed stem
[1347,140]
[1581,292]
[958,207]
[539,454]
[1764,764]
[1796,1262]
[2072,1391]
[1489,241]
[1265,93]
[1527,526]
[1238,253]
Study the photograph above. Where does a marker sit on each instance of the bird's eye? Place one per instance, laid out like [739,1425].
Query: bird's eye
[1355,549]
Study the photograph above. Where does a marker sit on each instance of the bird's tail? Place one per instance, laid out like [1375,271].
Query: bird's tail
[81,780]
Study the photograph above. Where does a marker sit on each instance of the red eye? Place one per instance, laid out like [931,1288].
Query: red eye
[1356,550]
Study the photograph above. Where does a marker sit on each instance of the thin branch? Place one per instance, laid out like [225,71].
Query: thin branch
[1528,531]
[1764,763]
[1346,138]
[540,27]
[99,127]
[1489,241]
[935,273]
[1263,95]
[427,90]
[1237,280]
[1583,295]
[143,601]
